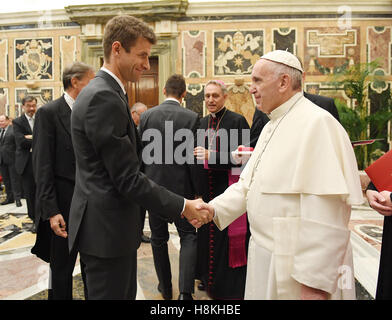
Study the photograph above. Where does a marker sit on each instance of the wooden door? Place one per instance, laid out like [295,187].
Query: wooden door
[146,90]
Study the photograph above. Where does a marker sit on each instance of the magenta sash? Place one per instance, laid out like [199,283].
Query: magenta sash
[236,232]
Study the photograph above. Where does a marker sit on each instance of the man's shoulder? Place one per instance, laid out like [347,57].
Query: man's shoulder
[234,116]
[315,98]
[52,105]
[18,120]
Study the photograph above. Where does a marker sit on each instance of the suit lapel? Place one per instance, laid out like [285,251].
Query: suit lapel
[26,124]
[64,114]
[113,83]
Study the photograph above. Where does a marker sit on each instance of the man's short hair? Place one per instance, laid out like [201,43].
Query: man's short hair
[175,86]
[75,70]
[28,99]
[218,83]
[294,74]
[126,30]
[138,105]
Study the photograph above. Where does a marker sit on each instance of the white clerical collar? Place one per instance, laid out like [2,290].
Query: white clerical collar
[284,107]
[172,99]
[213,114]
[69,100]
[115,78]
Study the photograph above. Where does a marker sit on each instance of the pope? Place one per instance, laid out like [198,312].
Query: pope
[297,188]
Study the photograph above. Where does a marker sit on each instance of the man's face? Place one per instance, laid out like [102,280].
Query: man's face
[80,84]
[132,64]
[214,98]
[265,86]
[30,107]
[3,122]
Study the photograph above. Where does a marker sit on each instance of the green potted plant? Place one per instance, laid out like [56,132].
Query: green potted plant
[359,123]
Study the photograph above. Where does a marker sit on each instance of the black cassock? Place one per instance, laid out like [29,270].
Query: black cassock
[384,281]
[221,280]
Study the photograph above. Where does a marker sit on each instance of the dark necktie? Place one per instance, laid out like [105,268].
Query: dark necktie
[2,134]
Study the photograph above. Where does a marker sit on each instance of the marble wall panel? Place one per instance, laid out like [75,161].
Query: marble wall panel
[34,59]
[43,95]
[3,60]
[4,101]
[240,100]
[285,39]
[68,51]
[194,99]
[194,54]
[235,52]
[379,46]
[330,50]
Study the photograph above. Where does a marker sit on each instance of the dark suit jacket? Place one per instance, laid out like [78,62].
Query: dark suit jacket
[53,159]
[109,186]
[23,145]
[178,178]
[8,147]
[260,119]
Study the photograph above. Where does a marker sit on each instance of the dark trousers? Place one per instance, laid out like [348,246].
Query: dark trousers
[12,182]
[62,264]
[110,278]
[29,189]
[188,252]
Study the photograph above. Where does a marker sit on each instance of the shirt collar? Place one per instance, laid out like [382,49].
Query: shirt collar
[115,78]
[172,99]
[69,100]
[28,117]
[284,107]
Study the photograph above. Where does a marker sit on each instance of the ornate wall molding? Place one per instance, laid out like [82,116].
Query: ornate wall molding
[148,10]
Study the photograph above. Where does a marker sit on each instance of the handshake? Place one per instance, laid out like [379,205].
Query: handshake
[198,212]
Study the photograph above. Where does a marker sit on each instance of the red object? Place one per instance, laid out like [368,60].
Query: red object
[245,148]
[380,172]
[363,142]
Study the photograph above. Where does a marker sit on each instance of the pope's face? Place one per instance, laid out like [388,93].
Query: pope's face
[265,86]
[132,64]
[214,98]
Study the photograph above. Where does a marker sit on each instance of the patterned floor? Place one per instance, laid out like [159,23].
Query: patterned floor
[24,276]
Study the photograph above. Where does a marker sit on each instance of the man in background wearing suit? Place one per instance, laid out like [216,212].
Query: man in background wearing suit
[137,109]
[23,131]
[54,171]
[104,222]
[170,117]
[7,162]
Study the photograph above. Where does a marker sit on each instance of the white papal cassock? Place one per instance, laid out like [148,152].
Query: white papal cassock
[298,194]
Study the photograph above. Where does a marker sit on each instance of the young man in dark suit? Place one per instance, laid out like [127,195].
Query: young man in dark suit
[23,131]
[168,118]
[7,162]
[54,171]
[104,220]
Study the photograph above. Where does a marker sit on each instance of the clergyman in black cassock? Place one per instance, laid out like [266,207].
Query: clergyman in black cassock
[221,264]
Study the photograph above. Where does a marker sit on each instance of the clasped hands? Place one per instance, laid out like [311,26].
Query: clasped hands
[380,201]
[198,212]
